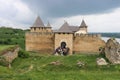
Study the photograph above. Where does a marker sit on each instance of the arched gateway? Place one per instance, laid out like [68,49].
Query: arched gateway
[62,49]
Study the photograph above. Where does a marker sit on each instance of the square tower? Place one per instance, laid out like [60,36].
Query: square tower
[64,34]
[40,37]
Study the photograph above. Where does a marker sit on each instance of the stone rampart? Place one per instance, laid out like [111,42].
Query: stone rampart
[37,41]
[9,55]
[89,43]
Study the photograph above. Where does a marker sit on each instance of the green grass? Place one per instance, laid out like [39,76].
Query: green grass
[68,70]
[4,47]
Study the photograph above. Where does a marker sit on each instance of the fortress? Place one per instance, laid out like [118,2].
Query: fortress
[43,39]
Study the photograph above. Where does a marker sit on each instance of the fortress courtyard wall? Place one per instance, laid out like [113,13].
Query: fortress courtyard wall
[87,43]
[37,41]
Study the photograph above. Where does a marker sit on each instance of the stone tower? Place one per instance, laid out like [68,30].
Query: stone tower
[40,37]
[64,34]
[82,28]
[38,26]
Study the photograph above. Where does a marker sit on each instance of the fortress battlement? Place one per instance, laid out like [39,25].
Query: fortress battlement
[88,35]
[39,33]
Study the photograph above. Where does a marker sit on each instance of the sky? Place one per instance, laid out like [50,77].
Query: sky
[99,15]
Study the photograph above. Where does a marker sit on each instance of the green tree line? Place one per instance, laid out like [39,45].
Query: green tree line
[11,36]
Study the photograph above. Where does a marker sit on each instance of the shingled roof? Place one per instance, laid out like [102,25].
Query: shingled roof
[74,28]
[38,23]
[83,24]
[65,28]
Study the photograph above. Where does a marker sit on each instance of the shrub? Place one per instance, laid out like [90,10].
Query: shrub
[23,54]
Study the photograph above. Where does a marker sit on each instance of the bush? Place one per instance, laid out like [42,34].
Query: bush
[23,54]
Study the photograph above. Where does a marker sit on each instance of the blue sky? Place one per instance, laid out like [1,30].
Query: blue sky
[99,15]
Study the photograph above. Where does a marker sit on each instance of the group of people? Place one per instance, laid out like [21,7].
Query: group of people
[62,50]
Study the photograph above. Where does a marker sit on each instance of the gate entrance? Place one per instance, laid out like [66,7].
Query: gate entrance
[62,49]
[63,45]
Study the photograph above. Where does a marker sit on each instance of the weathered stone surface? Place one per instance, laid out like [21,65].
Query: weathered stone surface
[8,56]
[112,51]
[40,42]
[87,43]
[80,64]
[55,63]
[47,43]
[101,61]
[11,55]
[68,38]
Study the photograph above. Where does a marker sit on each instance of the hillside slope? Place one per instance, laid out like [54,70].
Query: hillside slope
[11,36]
[38,67]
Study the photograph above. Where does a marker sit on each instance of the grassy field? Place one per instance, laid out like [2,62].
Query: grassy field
[37,67]
[4,47]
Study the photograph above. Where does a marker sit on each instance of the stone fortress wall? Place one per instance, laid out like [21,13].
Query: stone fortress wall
[36,41]
[87,43]
[67,38]
[48,42]
[42,38]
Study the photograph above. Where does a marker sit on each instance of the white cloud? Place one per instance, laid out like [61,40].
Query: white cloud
[14,13]
[23,12]
[108,22]
[8,23]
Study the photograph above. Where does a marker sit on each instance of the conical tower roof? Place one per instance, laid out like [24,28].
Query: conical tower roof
[38,23]
[83,24]
[65,28]
[48,25]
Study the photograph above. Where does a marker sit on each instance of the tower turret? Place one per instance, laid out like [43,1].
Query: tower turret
[48,27]
[48,24]
[82,28]
[39,26]
[38,22]
[83,24]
